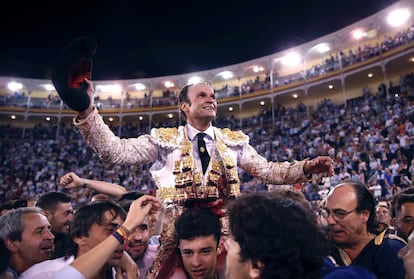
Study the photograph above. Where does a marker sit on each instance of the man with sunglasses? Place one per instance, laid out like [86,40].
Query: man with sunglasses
[350,214]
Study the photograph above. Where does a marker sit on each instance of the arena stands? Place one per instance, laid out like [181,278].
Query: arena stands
[354,102]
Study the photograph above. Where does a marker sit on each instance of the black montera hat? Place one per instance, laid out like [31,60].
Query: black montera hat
[71,67]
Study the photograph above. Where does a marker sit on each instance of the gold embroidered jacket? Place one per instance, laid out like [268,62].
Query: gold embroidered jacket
[175,173]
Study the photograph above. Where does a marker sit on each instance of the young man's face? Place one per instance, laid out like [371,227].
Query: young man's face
[37,240]
[61,217]
[201,105]
[405,220]
[235,268]
[98,233]
[383,214]
[138,241]
[199,256]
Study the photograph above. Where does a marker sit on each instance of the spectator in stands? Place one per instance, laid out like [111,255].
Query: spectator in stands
[267,241]
[92,224]
[198,234]
[25,238]
[4,208]
[403,212]
[177,154]
[350,213]
[17,203]
[57,207]
[138,246]
[383,215]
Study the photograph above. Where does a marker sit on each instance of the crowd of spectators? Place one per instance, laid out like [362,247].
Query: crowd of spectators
[332,62]
[366,136]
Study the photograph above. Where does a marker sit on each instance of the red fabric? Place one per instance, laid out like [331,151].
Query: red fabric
[79,73]
[215,206]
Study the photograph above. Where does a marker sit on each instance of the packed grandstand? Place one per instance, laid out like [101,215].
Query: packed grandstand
[349,94]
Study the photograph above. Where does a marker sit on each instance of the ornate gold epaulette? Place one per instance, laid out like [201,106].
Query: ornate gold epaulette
[233,137]
[166,136]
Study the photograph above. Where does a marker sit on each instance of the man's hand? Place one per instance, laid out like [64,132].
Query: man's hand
[139,209]
[70,181]
[318,165]
[127,267]
[83,114]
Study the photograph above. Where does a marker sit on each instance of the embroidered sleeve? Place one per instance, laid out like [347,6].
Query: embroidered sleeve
[112,149]
[271,172]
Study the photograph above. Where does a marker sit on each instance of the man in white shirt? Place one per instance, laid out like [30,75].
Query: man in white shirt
[91,224]
[26,239]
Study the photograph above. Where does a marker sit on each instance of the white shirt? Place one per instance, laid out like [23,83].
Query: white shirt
[46,269]
[54,269]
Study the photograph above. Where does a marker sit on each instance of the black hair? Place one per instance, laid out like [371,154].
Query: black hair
[50,200]
[86,216]
[406,195]
[197,222]
[126,199]
[281,234]
[183,95]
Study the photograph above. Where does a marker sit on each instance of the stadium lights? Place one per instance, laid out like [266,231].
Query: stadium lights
[194,80]
[14,86]
[322,48]
[48,87]
[139,86]
[258,69]
[167,84]
[291,59]
[359,34]
[226,74]
[112,88]
[398,17]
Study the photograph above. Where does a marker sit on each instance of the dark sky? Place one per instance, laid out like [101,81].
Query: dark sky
[153,38]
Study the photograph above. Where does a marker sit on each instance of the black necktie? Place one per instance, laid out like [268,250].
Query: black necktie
[202,151]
